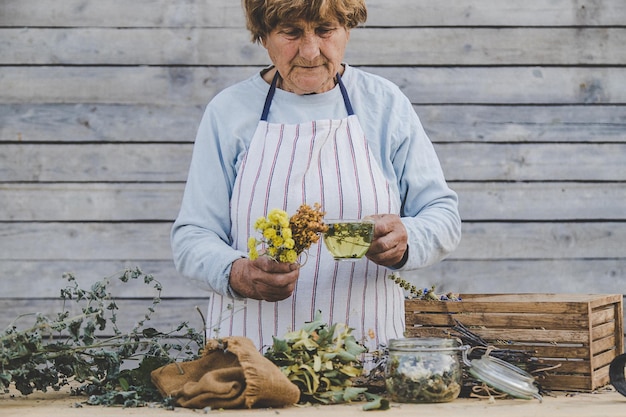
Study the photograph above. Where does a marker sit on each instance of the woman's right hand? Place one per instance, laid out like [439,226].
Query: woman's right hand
[263,278]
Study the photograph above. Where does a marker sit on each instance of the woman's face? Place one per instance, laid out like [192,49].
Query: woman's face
[307,55]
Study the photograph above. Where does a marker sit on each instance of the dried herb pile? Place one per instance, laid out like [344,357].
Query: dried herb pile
[323,360]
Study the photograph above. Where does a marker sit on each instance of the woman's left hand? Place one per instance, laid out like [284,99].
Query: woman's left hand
[390,240]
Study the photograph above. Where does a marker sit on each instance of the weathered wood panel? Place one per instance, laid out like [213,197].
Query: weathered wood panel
[149,162]
[518,124]
[533,162]
[402,46]
[515,275]
[150,241]
[105,202]
[34,123]
[545,201]
[90,202]
[140,162]
[100,102]
[457,275]
[227,13]
[196,85]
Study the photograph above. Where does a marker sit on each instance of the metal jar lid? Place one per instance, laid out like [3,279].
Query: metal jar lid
[502,376]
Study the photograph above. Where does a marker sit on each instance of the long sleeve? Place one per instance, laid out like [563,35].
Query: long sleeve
[201,234]
[429,207]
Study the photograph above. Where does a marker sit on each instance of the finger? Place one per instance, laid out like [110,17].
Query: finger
[273,293]
[268,265]
[391,256]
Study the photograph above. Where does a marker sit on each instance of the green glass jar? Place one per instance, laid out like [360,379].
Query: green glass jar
[424,370]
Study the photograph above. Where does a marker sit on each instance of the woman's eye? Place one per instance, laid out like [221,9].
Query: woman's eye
[324,31]
[291,33]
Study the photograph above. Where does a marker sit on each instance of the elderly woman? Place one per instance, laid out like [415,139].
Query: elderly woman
[310,129]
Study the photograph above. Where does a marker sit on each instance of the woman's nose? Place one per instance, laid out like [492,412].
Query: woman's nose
[309,47]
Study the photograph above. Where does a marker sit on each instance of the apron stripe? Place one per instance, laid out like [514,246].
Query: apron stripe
[290,170]
[270,179]
[356,173]
[373,180]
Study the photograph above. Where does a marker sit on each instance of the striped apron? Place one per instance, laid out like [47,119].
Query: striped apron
[326,162]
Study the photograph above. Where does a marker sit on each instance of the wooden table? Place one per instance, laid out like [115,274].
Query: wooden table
[603,403]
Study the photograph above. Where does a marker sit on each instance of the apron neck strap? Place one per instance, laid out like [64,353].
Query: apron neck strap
[344,93]
[272,91]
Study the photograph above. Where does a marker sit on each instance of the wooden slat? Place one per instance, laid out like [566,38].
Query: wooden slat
[570,382]
[497,320]
[493,46]
[517,124]
[541,241]
[538,201]
[132,46]
[574,275]
[85,241]
[488,304]
[534,335]
[461,162]
[603,330]
[550,353]
[161,201]
[137,162]
[568,367]
[423,85]
[219,13]
[494,12]
[533,162]
[481,241]
[34,122]
[91,202]
[402,46]
[120,13]
[511,275]
[514,335]
[607,343]
[603,359]
[602,315]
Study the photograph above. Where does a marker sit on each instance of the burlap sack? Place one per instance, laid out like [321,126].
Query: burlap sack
[230,374]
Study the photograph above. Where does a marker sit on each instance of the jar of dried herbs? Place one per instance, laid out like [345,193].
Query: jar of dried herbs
[424,370]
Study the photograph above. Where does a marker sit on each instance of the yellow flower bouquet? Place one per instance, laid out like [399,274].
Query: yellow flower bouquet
[285,238]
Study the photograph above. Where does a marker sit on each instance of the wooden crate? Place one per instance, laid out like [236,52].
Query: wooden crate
[581,333]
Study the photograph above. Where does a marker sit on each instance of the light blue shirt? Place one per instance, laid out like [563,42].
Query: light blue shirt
[429,208]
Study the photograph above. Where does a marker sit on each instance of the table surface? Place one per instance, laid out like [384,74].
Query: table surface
[603,403]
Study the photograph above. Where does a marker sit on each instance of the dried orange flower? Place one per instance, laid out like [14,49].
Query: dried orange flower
[306,226]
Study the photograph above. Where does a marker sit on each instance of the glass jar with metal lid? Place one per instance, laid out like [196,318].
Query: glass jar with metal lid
[424,370]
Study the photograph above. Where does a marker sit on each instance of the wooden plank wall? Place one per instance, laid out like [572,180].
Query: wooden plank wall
[100,101]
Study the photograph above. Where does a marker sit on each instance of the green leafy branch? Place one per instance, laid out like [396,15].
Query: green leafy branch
[58,349]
